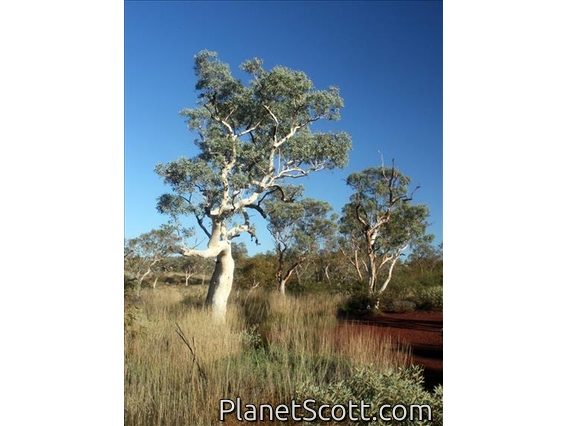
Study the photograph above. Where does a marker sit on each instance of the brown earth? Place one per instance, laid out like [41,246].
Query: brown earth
[422,331]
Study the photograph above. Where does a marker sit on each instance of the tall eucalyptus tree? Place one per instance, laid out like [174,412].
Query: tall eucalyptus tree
[251,139]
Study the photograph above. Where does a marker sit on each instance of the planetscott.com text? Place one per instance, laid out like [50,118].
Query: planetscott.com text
[309,410]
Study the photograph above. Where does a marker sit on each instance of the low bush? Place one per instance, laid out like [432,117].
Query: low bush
[430,298]
[358,305]
[402,386]
[398,306]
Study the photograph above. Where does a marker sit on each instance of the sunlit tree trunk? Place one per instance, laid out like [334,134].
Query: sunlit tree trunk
[221,283]
[283,279]
[371,273]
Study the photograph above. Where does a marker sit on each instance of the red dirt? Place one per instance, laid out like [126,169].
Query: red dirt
[422,331]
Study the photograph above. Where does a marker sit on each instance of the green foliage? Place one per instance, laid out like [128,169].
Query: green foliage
[130,282]
[425,264]
[251,139]
[258,270]
[430,298]
[252,338]
[380,207]
[407,294]
[146,254]
[403,386]
[358,305]
[379,223]
[301,230]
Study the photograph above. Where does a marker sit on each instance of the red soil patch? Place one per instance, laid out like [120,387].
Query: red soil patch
[422,331]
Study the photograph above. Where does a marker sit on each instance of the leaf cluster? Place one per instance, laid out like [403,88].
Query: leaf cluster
[251,138]
[380,211]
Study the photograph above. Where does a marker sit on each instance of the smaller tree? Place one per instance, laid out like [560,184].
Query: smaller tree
[188,266]
[379,223]
[299,230]
[145,254]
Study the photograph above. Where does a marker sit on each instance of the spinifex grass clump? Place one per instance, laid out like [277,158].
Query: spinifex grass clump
[179,363]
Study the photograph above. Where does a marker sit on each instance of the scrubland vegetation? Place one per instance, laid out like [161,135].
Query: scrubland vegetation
[179,363]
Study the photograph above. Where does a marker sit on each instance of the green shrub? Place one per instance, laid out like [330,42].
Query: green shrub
[399,306]
[130,283]
[403,386]
[430,298]
[358,305]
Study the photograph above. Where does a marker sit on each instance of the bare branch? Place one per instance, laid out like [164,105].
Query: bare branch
[412,193]
[200,370]
[258,209]
[202,226]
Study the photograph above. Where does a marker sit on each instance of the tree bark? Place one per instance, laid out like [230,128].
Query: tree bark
[222,278]
[282,287]
[284,278]
[372,273]
[221,283]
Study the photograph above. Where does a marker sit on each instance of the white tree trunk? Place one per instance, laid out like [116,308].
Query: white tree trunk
[221,283]
[282,287]
[372,273]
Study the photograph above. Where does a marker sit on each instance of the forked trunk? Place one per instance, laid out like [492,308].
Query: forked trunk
[221,283]
[282,287]
[284,278]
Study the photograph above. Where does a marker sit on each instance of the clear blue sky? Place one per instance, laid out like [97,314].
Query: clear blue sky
[386,58]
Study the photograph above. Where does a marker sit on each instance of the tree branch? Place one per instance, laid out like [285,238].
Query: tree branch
[209,252]
[258,209]
[202,226]
[249,130]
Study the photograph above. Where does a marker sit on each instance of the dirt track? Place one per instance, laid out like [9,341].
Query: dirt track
[422,331]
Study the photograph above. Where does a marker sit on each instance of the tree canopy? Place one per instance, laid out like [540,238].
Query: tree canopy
[252,138]
[300,230]
[379,222]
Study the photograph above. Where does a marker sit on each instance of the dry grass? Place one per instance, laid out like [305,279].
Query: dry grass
[266,348]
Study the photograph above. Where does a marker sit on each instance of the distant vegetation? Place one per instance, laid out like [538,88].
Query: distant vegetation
[417,283]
